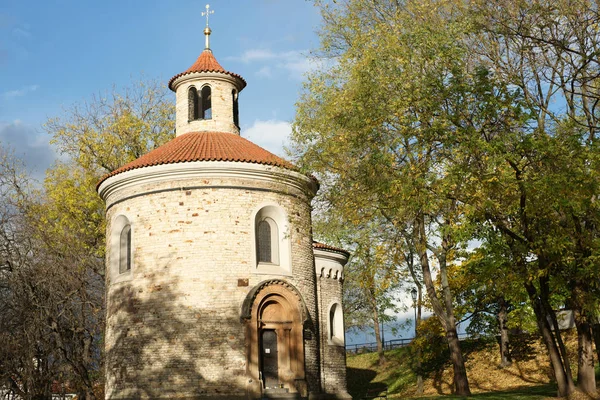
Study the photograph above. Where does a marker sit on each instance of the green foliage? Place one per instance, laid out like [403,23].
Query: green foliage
[440,119]
[97,137]
[434,349]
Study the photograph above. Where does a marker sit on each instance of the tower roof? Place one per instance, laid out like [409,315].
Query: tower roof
[204,146]
[206,62]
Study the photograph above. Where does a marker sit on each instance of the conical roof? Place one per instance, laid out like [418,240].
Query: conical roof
[204,146]
[206,62]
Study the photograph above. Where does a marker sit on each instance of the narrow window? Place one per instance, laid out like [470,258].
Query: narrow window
[236,115]
[264,242]
[332,327]
[193,106]
[125,250]
[206,103]
[336,324]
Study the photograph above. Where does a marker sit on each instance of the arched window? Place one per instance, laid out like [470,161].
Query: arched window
[271,241]
[236,113]
[121,250]
[125,250]
[336,324]
[267,238]
[193,104]
[206,103]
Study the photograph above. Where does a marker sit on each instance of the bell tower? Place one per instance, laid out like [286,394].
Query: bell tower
[206,94]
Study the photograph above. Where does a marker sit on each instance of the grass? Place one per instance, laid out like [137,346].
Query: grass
[524,393]
[528,378]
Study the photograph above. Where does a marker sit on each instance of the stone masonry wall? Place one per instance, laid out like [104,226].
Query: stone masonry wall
[173,329]
[333,351]
[221,103]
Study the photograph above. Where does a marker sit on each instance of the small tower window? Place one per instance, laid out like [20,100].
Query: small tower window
[125,250]
[267,241]
[193,104]
[206,103]
[332,324]
[236,115]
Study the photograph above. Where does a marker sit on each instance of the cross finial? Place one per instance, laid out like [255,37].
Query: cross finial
[207,13]
[207,29]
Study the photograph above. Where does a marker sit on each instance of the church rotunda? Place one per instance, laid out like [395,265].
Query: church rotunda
[214,286]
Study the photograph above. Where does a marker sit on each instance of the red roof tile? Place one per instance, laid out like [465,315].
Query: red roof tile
[204,146]
[206,62]
[323,246]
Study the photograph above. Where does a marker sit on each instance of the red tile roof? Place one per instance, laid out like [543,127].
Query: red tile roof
[204,146]
[206,62]
[323,246]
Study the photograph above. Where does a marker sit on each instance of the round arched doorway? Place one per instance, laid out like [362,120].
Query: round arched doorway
[274,315]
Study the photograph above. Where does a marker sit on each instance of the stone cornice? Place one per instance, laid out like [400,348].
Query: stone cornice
[329,263]
[197,171]
[331,255]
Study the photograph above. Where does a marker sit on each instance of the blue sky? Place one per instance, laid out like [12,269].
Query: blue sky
[57,53]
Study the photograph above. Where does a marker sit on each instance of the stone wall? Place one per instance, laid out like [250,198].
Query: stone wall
[329,269]
[221,102]
[173,325]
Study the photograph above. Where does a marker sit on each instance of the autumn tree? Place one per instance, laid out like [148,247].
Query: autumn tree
[371,279]
[95,137]
[53,240]
[547,170]
[387,121]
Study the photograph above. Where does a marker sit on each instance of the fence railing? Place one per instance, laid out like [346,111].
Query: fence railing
[387,345]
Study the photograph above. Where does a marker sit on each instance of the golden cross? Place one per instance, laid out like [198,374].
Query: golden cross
[207,13]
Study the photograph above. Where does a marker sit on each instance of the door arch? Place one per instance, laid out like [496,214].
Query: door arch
[274,312]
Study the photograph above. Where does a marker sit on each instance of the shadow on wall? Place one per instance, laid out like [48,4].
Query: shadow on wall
[158,347]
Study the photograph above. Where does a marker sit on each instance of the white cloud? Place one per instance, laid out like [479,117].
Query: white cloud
[272,135]
[265,72]
[294,62]
[254,55]
[20,92]
[299,67]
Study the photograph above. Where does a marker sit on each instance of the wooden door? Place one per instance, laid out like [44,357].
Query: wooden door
[270,366]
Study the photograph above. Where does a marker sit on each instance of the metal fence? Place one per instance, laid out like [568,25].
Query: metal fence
[387,345]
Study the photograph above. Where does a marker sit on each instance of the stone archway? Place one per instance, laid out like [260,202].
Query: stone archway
[274,316]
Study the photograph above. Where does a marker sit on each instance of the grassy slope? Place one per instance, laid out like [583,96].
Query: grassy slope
[527,378]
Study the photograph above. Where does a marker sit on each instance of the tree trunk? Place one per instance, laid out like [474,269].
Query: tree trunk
[378,334]
[419,355]
[419,351]
[586,377]
[505,359]
[461,383]
[443,311]
[544,299]
[564,381]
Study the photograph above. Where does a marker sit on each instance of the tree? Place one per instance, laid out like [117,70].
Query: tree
[371,280]
[53,241]
[388,121]
[548,50]
[97,137]
[111,129]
